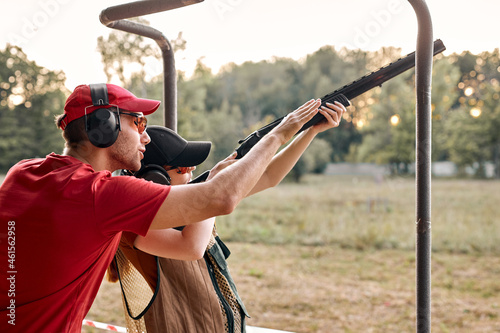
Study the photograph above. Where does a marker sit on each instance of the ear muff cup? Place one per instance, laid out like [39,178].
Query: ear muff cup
[154,173]
[102,127]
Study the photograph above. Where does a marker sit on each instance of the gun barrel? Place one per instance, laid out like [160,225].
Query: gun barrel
[342,95]
[383,74]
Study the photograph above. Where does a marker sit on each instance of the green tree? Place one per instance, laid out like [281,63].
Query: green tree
[389,137]
[192,101]
[472,126]
[31,96]
[446,75]
[473,133]
[223,127]
[259,89]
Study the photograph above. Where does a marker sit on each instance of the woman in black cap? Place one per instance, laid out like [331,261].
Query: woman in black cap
[182,267]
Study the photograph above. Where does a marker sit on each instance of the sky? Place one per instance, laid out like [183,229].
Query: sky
[62,34]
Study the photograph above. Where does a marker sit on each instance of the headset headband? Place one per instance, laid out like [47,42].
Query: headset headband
[99,94]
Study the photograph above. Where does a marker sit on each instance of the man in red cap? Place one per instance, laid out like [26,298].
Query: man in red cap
[65,213]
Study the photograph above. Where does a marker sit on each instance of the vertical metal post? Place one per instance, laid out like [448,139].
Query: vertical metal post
[169,73]
[113,17]
[423,78]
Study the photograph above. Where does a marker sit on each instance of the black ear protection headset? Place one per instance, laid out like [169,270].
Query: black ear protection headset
[102,125]
[154,173]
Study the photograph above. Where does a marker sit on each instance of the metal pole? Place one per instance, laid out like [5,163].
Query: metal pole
[423,78]
[114,17]
[143,7]
[169,73]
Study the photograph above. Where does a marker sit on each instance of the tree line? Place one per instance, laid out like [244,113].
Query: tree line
[225,107]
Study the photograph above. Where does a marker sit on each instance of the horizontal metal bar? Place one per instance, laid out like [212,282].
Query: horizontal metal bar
[140,8]
[142,30]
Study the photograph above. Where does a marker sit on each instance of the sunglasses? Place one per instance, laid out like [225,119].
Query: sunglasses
[141,122]
[180,170]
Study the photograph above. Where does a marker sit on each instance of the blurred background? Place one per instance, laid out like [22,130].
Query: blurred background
[242,64]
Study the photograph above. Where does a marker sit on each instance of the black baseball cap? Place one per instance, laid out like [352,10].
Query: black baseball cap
[169,148]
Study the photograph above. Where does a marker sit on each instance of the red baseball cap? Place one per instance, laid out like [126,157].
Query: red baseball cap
[81,99]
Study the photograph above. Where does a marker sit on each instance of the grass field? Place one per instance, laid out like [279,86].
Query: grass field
[361,213]
[336,254]
[328,289]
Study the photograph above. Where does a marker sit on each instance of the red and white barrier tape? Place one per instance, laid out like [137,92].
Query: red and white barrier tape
[103,326]
[113,328]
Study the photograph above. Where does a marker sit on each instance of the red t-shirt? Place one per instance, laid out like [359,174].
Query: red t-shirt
[61,224]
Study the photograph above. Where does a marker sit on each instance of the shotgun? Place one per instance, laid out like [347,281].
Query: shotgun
[342,95]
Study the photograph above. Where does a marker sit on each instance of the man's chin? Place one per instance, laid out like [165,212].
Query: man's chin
[134,167]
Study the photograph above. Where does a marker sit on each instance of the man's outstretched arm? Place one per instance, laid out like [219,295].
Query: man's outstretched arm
[191,203]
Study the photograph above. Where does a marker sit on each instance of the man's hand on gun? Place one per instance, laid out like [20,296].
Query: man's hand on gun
[294,121]
[332,112]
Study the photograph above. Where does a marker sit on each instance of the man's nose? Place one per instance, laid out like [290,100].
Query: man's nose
[145,137]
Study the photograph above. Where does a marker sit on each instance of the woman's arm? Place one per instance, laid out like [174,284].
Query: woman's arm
[188,244]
